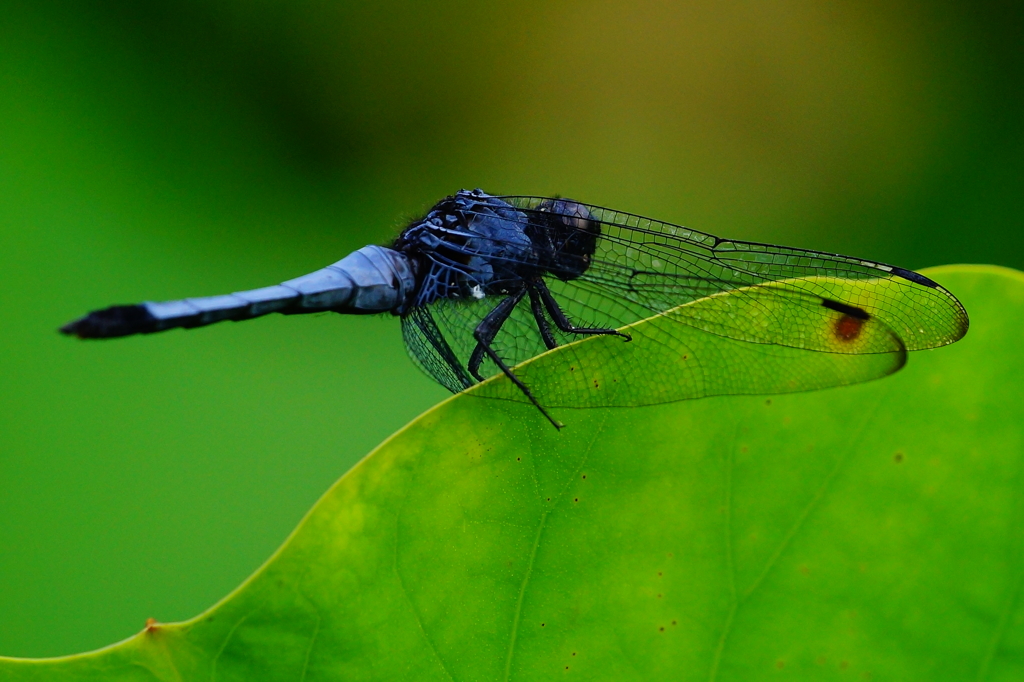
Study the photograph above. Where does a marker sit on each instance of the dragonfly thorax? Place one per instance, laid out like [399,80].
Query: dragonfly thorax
[565,236]
[473,244]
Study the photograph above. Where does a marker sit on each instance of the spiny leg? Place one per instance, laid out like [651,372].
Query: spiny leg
[489,328]
[561,321]
[542,322]
[484,335]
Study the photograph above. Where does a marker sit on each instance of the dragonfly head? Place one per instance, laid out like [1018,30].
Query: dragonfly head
[570,237]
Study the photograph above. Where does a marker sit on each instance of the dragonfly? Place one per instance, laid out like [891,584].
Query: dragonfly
[582,306]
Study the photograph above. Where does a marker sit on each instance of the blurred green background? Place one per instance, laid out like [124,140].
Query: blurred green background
[170,149]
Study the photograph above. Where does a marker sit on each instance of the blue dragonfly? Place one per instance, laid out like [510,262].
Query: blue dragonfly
[484,284]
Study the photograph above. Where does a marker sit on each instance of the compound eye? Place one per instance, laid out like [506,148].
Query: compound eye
[571,214]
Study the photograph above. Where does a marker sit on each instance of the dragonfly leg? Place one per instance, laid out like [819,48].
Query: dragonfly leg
[561,321]
[542,322]
[488,329]
[484,335]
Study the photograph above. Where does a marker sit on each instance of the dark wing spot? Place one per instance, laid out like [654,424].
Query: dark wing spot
[848,310]
[848,328]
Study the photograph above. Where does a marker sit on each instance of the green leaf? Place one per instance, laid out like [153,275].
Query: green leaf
[868,532]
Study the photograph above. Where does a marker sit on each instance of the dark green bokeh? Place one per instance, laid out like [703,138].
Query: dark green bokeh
[192,148]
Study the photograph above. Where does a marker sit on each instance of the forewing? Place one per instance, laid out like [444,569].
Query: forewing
[707,316]
[643,266]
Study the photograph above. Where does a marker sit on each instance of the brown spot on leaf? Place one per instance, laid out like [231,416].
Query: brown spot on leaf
[898,457]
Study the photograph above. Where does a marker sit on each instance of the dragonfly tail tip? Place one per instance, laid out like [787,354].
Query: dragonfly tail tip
[119,320]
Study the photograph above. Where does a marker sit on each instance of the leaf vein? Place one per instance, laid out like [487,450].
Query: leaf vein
[522,593]
[309,649]
[223,646]
[411,603]
[819,495]
[730,561]
[1004,618]
[536,543]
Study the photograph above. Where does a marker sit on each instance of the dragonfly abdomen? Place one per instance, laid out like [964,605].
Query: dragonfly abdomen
[370,280]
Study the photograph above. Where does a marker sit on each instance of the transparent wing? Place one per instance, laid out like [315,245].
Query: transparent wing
[433,350]
[454,320]
[672,357]
[708,317]
[658,266]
